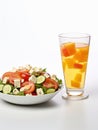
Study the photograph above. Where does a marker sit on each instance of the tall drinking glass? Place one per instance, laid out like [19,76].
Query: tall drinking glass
[74,48]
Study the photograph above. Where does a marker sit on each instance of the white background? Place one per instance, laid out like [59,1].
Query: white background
[29,29]
[29,35]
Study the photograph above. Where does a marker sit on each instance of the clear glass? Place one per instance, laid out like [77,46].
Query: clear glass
[74,48]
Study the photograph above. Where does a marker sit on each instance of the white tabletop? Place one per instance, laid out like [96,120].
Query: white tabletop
[56,114]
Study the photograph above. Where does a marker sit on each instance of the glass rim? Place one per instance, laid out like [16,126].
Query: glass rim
[74,35]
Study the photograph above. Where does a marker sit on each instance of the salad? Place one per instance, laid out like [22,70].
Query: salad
[29,80]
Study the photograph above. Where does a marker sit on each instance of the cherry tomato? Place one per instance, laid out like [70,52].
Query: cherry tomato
[11,76]
[7,74]
[24,75]
[32,87]
[14,76]
[50,83]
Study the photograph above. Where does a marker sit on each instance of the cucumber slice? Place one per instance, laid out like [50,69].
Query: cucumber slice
[21,93]
[1,87]
[40,79]
[0,81]
[7,89]
[50,90]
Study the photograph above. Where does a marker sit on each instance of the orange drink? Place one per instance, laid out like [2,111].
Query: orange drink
[74,57]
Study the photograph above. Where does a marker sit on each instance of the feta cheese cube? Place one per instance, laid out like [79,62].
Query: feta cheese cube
[54,77]
[46,75]
[28,67]
[36,69]
[31,71]
[33,79]
[5,80]
[39,91]
[15,91]
[17,83]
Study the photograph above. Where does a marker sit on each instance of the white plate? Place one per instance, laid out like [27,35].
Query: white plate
[27,100]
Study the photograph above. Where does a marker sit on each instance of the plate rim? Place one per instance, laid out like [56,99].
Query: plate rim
[34,99]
